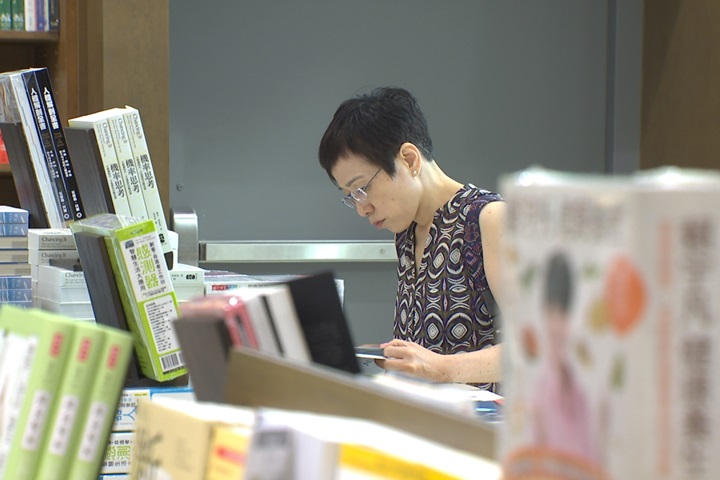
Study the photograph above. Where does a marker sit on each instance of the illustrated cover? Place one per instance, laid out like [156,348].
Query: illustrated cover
[608,285]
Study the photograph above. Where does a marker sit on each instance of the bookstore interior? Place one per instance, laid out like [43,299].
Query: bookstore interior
[121,357]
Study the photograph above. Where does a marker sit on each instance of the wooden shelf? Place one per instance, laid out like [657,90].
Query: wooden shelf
[18,36]
[4,169]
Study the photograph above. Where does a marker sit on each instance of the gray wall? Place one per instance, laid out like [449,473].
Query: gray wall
[504,84]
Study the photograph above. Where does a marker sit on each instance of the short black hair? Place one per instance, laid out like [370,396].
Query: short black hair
[374,126]
[558,283]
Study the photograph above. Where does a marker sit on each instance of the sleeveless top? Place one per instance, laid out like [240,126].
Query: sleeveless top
[442,306]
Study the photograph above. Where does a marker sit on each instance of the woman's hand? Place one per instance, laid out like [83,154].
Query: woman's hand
[412,359]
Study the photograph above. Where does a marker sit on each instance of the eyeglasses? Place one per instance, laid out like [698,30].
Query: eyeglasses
[359,195]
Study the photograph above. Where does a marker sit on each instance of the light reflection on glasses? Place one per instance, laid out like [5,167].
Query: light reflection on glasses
[359,195]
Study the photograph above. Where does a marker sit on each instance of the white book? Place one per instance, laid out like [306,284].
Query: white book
[73,294]
[61,277]
[43,257]
[51,239]
[74,310]
[151,193]
[261,321]
[187,275]
[287,324]
[113,173]
[127,162]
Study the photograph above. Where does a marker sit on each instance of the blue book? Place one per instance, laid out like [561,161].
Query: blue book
[14,215]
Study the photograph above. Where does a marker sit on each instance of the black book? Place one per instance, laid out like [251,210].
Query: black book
[323,321]
[74,200]
[89,171]
[46,143]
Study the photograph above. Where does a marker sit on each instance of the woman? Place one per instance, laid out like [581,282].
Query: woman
[378,151]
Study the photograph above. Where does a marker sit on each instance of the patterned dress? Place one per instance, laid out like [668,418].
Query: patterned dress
[442,307]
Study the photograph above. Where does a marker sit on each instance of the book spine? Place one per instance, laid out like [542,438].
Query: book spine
[151,194]
[16,216]
[15,283]
[41,13]
[128,168]
[51,239]
[102,403]
[45,182]
[30,16]
[113,173]
[18,14]
[13,230]
[5,16]
[54,15]
[43,257]
[61,278]
[65,168]
[71,402]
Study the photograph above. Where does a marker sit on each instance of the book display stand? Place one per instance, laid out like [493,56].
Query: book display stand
[26,184]
[89,172]
[256,379]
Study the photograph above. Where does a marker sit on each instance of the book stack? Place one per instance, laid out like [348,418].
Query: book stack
[116,463]
[39,157]
[14,267]
[58,281]
[131,267]
[300,319]
[61,381]
[188,282]
[612,349]
[115,170]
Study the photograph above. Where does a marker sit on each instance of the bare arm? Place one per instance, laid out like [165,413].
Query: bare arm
[480,366]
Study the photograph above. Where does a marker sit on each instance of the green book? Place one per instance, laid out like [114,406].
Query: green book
[54,334]
[5,15]
[18,14]
[72,401]
[102,403]
[145,289]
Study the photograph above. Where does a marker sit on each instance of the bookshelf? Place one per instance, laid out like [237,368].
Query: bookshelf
[106,54]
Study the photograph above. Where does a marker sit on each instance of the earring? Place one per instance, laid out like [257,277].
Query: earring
[414,172]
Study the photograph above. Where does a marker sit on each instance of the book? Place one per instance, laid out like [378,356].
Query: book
[50,239]
[265,330]
[102,401]
[61,277]
[147,295]
[205,345]
[17,108]
[323,321]
[13,230]
[16,282]
[5,18]
[54,335]
[44,257]
[10,269]
[166,425]
[126,159]
[126,416]
[151,193]
[65,167]
[10,214]
[15,295]
[18,14]
[228,452]
[620,269]
[17,353]
[292,341]
[100,126]
[72,396]
[41,123]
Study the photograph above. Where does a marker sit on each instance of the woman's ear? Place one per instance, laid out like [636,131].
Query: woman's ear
[411,156]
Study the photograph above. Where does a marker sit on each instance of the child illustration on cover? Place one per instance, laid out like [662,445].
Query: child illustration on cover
[562,418]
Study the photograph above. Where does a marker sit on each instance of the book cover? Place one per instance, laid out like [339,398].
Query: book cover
[65,167]
[44,257]
[71,403]
[323,321]
[128,167]
[166,425]
[608,282]
[30,15]
[259,316]
[10,214]
[205,343]
[143,282]
[16,108]
[102,403]
[228,452]
[42,124]
[98,122]
[143,161]
[5,18]
[54,335]
[17,353]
